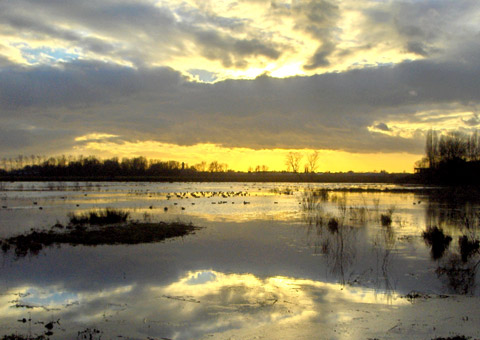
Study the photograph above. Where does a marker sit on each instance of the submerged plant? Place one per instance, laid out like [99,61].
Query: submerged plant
[312,197]
[435,238]
[359,214]
[283,191]
[386,220]
[460,277]
[467,247]
[333,225]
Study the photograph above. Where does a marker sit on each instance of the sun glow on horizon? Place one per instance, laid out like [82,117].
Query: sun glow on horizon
[246,159]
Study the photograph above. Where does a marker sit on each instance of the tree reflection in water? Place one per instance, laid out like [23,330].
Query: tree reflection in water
[459,276]
[452,219]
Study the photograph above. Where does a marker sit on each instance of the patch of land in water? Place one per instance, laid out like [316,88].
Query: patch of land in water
[92,235]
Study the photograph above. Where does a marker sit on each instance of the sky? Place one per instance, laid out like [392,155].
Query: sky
[241,82]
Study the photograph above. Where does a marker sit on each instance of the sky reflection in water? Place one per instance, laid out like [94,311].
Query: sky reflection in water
[263,262]
[201,303]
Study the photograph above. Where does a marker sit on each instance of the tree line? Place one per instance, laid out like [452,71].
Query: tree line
[448,147]
[293,162]
[92,166]
[82,166]
[451,157]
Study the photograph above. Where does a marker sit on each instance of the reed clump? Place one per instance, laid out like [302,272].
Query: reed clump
[99,217]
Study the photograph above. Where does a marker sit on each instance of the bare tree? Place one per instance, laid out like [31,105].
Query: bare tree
[201,167]
[431,148]
[312,161]
[453,145]
[215,166]
[473,146]
[293,161]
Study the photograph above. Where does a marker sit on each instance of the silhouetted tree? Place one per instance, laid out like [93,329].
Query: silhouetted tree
[431,148]
[312,160]
[215,166]
[453,145]
[201,167]
[293,161]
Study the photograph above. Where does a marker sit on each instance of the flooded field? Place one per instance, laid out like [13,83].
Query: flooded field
[270,261]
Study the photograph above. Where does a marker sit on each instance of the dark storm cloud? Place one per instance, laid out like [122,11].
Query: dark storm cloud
[39,141]
[320,58]
[417,48]
[4,62]
[230,51]
[77,84]
[318,18]
[325,111]
[382,126]
[425,28]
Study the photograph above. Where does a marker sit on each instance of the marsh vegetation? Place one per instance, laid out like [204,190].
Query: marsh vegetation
[98,227]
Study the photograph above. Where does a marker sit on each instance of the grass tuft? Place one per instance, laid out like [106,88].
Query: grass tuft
[99,217]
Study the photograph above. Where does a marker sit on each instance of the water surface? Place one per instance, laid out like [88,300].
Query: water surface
[264,260]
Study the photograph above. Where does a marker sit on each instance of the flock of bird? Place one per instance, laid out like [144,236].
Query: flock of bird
[197,194]
[206,194]
[187,195]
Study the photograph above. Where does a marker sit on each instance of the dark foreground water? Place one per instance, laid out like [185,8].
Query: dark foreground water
[271,261]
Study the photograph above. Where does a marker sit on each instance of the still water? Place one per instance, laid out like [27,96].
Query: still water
[272,260]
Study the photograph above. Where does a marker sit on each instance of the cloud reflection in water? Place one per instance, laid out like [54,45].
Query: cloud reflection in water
[201,303]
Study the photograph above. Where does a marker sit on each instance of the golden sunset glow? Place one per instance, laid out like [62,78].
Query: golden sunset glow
[241,82]
[245,159]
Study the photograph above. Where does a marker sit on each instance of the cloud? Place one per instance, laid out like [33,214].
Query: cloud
[473,121]
[330,111]
[136,33]
[319,20]
[382,127]
[242,38]
[423,28]
[128,68]
[232,52]
[417,48]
